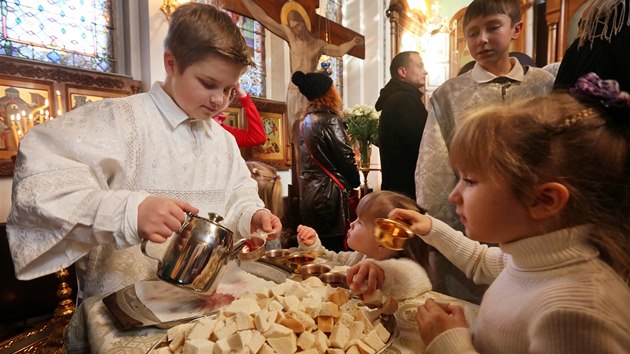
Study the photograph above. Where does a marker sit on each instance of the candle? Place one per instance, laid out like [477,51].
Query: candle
[18,121]
[14,129]
[59,107]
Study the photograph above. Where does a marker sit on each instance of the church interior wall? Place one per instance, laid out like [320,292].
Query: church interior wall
[146,26]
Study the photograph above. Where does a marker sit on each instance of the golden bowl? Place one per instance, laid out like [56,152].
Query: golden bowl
[392,234]
[334,279]
[314,270]
[253,250]
[297,260]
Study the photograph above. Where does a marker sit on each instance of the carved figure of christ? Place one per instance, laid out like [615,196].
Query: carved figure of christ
[304,48]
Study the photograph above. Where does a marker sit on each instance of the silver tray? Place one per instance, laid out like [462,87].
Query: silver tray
[389,322]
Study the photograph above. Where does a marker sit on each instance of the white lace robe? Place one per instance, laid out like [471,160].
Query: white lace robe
[80,179]
[450,103]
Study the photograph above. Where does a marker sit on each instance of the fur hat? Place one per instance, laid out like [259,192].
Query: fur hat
[312,85]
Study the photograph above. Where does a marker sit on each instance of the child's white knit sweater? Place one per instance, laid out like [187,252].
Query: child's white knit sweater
[548,294]
[404,278]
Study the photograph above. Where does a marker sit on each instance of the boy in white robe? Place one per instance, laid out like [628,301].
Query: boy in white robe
[91,185]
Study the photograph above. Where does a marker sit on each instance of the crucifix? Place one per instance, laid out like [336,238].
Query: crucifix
[293,21]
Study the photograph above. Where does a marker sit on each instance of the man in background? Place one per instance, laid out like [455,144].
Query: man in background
[402,120]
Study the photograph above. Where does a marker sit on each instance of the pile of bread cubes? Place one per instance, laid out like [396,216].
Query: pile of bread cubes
[306,317]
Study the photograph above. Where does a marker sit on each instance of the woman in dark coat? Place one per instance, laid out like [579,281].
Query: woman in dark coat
[324,145]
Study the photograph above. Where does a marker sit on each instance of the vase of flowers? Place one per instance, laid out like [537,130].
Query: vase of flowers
[362,123]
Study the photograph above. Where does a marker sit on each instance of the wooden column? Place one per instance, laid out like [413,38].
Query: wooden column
[555,30]
[558,16]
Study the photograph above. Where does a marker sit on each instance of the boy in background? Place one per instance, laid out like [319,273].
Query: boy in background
[496,78]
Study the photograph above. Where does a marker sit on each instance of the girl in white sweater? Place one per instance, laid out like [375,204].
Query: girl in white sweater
[548,180]
[370,261]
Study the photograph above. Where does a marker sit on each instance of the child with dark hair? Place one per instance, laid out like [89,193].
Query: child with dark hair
[370,261]
[91,185]
[548,180]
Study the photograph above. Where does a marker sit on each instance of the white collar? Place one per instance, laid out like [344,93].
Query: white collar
[481,75]
[169,109]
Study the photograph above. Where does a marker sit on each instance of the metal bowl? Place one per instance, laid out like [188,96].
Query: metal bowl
[392,234]
[314,270]
[253,250]
[277,255]
[334,279]
[297,260]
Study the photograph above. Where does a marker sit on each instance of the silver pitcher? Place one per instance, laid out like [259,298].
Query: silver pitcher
[198,252]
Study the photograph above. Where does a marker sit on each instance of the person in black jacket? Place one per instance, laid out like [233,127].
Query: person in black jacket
[326,160]
[602,45]
[401,124]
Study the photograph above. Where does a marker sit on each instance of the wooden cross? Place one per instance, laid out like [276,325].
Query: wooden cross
[320,26]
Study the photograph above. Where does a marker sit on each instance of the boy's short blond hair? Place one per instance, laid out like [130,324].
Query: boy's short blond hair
[477,8]
[198,30]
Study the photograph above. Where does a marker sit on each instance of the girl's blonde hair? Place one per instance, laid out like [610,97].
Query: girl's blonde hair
[269,186]
[378,205]
[198,30]
[558,138]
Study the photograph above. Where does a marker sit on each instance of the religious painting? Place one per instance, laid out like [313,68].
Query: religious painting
[79,96]
[23,104]
[274,150]
[234,116]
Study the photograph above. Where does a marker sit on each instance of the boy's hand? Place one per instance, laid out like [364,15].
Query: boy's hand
[434,318]
[418,223]
[364,278]
[307,235]
[264,220]
[159,217]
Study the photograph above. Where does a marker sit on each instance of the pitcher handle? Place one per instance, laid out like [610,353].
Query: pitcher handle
[187,218]
[143,245]
[143,248]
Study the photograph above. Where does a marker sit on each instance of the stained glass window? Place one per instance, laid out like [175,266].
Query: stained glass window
[253,81]
[76,33]
[333,65]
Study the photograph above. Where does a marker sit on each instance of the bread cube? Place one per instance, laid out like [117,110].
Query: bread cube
[285,344]
[339,336]
[325,323]
[374,340]
[247,305]
[256,342]
[382,332]
[306,340]
[198,346]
